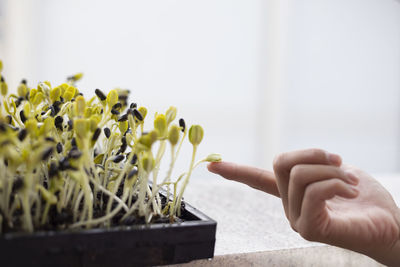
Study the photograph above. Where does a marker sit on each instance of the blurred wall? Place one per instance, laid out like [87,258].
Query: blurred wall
[260,76]
[200,56]
[343,80]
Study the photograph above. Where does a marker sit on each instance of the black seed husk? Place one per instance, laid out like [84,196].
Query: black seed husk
[22,134]
[50,139]
[96,134]
[18,101]
[64,164]
[58,122]
[118,158]
[107,132]
[53,169]
[122,148]
[57,103]
[137,114]
[59,147]
[100,94]
[73,142]
[118,105]
[123,140]
[134,159]
[70,125]
[22,116]
[123,118]
[47,153]
[52,111]
[132,173]
[182,124]
[114,112]
[74,153]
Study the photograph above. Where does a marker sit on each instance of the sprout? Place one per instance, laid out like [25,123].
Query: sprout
[80,105]
[4,87]
[69,93]
[142,113]
[213,158]
[196,134]
[55,93]
[38,98]
[171,114]
[173,134]
[54,155]
[75,77]
[148,162]
[112,98]
[81,127]
[22,90]
[160,124]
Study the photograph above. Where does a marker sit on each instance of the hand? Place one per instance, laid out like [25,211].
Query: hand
[328,202]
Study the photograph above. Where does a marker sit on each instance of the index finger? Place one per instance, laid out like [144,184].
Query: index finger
[257,178]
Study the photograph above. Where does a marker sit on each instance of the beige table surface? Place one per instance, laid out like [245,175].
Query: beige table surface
[252,229]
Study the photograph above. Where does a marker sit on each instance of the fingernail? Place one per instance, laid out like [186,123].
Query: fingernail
[354,189]
[352,178]
[334,159]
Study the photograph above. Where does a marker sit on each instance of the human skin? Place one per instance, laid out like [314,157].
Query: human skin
[327,201]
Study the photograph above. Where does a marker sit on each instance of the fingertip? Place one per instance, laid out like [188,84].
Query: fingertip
[334,159]
[354,191]
[350,192]
[352,178]
[210,167]
[214,166]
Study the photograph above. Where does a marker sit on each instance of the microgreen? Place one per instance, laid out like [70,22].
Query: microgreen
[62,153]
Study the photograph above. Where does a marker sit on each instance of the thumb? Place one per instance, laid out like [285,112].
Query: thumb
[257,178]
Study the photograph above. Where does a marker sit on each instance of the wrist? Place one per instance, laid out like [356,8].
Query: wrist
[391,256]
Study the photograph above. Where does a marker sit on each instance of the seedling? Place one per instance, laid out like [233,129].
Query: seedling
[71,162]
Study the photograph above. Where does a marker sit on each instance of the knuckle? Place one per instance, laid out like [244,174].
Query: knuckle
[297,173]
[336,183]
[311,192]
[279,162]
[317,153]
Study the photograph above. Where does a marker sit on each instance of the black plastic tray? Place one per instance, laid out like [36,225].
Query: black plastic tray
[139,245]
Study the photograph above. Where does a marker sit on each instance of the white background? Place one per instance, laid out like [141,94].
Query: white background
[261,77]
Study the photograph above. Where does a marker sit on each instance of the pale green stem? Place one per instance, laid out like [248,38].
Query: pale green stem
[27,219]
[76,206]
[105,218]
[45,212]
[119,180]
[167,178]
[185,182]
[110,194]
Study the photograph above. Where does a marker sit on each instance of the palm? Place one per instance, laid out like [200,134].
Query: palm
[361,223]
